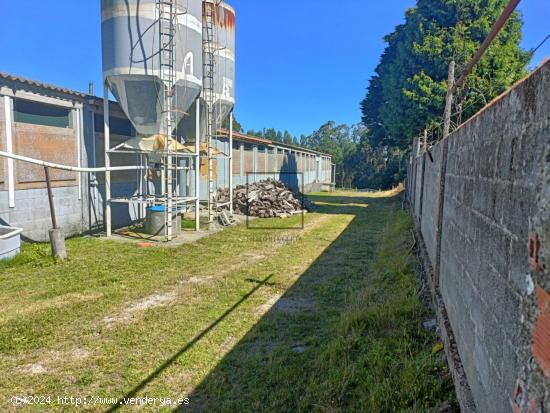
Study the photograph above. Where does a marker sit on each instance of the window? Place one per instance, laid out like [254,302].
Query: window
[38,113]
[117,126]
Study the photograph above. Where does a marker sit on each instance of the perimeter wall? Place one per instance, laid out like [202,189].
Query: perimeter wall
[495,203]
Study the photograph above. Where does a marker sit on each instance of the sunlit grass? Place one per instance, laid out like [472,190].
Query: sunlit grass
[199,316]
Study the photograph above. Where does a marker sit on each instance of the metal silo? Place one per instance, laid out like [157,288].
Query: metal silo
[131,33]
[218,21]
[220,41]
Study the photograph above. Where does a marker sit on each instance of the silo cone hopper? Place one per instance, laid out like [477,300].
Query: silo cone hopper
[132,58]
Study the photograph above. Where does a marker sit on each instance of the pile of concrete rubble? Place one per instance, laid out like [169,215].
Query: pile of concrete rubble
[265,199]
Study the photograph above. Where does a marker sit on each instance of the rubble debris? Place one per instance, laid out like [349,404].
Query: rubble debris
[265,199]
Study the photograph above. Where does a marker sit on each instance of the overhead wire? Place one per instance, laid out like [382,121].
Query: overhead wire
[534,50]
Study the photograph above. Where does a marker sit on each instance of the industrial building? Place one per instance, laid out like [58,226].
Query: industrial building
[59,125]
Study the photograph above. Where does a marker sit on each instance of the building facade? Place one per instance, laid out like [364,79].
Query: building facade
[62,126]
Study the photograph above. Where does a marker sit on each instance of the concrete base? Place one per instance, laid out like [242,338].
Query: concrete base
[57,240]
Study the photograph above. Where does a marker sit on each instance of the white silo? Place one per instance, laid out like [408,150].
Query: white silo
[220,42]
[218,20]
[132,58]
[152,63]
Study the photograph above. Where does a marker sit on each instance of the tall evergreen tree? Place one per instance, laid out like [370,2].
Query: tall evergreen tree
[407,92]
[236,125]
[340,142]
[287,138]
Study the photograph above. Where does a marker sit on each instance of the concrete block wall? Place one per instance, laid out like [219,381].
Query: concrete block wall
[418,170]
[430,194]
[496,202]
[32,212]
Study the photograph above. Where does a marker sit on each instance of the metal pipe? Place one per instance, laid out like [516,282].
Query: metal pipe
[231,162]
[107,144]
[22,158]
[50,197]
[197,164]
[499,24]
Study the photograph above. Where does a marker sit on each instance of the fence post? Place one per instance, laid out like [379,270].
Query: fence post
[57,238]
[442,173]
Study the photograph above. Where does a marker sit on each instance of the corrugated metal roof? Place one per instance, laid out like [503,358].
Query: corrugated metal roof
[300,148]
[42,85]
[263,141]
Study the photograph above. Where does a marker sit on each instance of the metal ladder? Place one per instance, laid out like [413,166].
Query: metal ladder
[167,36]
[209,68]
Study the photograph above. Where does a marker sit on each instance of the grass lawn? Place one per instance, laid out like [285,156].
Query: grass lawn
[278,320]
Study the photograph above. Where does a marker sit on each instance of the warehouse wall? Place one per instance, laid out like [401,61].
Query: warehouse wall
[496,199]
[48,142]
[79,198]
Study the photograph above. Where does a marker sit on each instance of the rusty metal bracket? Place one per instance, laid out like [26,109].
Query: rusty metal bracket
[534,250]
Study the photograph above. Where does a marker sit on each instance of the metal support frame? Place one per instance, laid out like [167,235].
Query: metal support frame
[210,35]
[208,92]
[231,162]
[167,20]
[197,165]
[167,37]
[107,144]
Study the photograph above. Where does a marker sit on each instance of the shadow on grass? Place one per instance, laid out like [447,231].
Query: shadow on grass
[190,344]
[269,369]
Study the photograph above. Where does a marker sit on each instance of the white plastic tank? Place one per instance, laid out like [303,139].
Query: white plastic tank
[131,58]
[224,55]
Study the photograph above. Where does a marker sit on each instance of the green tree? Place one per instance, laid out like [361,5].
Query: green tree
[236,125]
[407,92]
[287,138]
[340,142]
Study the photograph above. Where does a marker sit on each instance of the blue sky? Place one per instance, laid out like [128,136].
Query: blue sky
[299,63]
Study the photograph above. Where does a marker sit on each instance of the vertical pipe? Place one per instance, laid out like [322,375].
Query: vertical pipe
[254,162]
[107,147]
[169,182]
[231,162]
[9,148]
[197,164]
[242,165]
[139,172]
[50,197]
[92,176]
[78,136]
